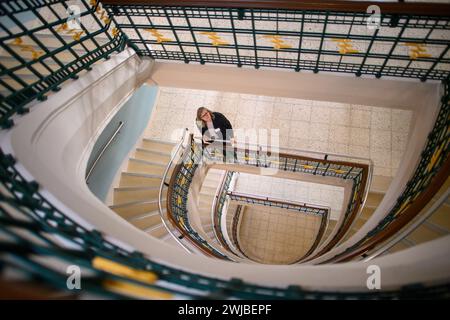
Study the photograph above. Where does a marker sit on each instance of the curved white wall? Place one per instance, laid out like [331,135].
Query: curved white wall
[53,143]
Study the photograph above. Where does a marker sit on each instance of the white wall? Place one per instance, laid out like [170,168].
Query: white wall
[287,83]
[54,141]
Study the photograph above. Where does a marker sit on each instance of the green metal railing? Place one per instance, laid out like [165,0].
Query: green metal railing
[44,220]
[430,174]
[277,203]
[23,208]
[316,39]
[336,39]
[33,69]
[234,229]
[38,59]
[218,208]
[358,173]
[303,208]
[177,196]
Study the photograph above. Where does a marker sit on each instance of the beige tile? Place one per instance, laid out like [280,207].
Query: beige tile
[280,124]
[301,112]
[360,118]
[360,137]
[282,111]
[246,108]
[381,118]
[380,139]
[264,109]
[397,156]
[261,123]
[399,140]
[320,114]
[381,157]
[299,129]
[339,134]
[319,146]
[338,148]
[340,116]
[319,132]
[360,107]
[359,151]
[382,171]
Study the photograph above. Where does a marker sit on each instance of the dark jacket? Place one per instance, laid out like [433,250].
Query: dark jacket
[222,123]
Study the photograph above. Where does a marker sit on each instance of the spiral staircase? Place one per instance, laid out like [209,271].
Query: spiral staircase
[173,225]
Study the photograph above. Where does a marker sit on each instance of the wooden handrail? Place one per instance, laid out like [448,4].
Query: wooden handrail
[234,231]
[170,189]
[320,234]
[410,213]
[306,158]
[255,197]
[216,221]
[426,9]
[346,226]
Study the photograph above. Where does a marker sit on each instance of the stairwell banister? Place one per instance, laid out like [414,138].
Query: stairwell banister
[103,149]
[163,184]
[217,209]
[431,9]
[362,179]
[177,198]
[321,156]
[214,206]
[320,209]
[409,229]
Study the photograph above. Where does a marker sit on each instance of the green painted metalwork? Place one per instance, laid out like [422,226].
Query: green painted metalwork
[303,208]
[42,221]
[356,172]
[179,195]
[435,153]
[35,215]
[22,80]
[218,210]
[32,68]
[234,229]
[311,36]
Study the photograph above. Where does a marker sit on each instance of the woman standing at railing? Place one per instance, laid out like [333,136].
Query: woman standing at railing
[214,126]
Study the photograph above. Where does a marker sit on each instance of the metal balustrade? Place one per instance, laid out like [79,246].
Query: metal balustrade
[430,174]
[56,48]
[278,203]
[23,208]
[219,208]
[177,196]
[322,212]
[320,165]
[234,229]
[299,37]
[318,38]
[44,220]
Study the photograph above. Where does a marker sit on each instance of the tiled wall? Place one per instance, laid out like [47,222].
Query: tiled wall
[291,190]
[355,130]
[276,236]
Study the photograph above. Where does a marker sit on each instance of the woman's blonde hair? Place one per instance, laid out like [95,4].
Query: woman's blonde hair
[199,115]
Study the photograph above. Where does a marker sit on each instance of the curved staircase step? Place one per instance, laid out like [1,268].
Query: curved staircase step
[144,166]
[133,179]
[157,145]
[158,231]
[152,156]
[132,209]
[130,194]
[146,221]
